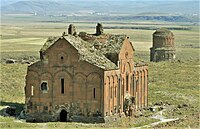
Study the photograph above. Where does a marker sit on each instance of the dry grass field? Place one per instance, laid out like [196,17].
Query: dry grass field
[175,83]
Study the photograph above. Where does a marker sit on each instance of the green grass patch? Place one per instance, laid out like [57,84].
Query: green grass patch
[176,83]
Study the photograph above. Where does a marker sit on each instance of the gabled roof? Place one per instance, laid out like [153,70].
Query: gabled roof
[87,52]
[50,41]
[113,44]
[108,43]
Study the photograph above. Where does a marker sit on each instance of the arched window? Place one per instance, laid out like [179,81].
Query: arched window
[44,87]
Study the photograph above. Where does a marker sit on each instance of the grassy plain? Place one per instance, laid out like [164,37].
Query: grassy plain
[175,83]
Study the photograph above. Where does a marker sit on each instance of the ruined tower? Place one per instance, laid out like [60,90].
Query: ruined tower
[72,29]
[163,48]
[99,29]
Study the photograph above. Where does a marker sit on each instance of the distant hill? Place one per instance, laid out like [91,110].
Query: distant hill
[102,7]
[43,7]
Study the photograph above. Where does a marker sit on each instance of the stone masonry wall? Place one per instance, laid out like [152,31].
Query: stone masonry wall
[81,80]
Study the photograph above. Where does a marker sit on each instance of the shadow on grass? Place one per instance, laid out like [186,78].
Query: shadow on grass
[19,107]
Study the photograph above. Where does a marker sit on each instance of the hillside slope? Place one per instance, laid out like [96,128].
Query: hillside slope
[109,6]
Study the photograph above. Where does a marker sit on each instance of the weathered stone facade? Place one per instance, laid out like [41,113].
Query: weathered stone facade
[85,78]
[163,46]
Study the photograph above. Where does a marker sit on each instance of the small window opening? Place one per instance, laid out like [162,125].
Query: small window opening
[61,57]
[44,87]
[62,86]
[94,93]
[127,81]
[32,90]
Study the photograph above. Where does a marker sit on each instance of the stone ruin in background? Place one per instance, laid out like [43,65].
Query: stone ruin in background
[72,29]
[99,29]
[163,48]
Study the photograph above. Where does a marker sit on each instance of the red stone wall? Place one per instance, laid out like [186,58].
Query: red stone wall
[80,79]
[125,80]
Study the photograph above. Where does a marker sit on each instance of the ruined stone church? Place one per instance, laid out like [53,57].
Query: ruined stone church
[85,77]
[163,48]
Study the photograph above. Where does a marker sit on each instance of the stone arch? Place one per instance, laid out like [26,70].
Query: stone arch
[115,91]
[137,88]
[47,78]
[111,94]
[80,88]
[94,83]
[133,83]
[80,74]
[127,68]
[115,85]
[118,92]
[140,87]
[46,75]
[143,87]
[146,87]
[107,94]
[32,79]
[59,71]
[107,80]
[107,87]
[63,116]
[95,74]
[111,85]
[65,85]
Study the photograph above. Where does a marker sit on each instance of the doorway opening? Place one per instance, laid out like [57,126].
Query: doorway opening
[63,116]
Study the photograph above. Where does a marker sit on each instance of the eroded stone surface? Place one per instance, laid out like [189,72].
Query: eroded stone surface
[85,77]
[163,48]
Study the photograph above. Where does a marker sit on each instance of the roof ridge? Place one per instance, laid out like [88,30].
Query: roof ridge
[85,49]
[89,53]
